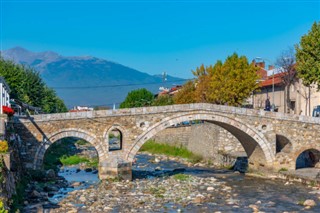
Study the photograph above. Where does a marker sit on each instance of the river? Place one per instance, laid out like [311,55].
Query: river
[170,186]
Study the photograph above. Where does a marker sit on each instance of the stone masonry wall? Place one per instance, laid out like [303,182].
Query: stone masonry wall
[205,139]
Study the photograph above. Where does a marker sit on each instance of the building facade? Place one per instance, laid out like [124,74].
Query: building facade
[302,99]
[4,92]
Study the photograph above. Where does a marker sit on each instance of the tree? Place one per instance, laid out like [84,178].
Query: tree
[308,59]
[138,98]
[230,83]
[186,95]
[308,56]
[27,86]
[162,100]
[233,81]
[286,62]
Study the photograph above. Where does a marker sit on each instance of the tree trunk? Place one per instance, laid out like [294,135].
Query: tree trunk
[288,107]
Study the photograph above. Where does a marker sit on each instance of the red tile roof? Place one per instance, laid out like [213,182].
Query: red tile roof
[269,81]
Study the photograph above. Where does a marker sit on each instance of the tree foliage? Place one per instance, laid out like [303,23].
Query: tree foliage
[163,100]
[27,86]
[138,98]
[186,95]
[230,83]
[308,56]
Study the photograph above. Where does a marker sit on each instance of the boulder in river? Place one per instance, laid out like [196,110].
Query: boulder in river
[309,202]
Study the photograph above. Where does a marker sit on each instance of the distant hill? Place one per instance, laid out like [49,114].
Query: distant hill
[86,80]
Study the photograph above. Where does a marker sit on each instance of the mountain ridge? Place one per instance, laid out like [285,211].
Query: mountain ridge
[85,74]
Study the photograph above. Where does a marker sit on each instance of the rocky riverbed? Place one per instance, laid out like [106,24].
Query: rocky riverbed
[165,184]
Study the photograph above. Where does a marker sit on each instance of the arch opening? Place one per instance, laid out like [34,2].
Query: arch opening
[283,144]
[256,147]
[308,159]
[115,138]
[71,151]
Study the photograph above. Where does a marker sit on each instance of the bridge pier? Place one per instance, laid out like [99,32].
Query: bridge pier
[115,168]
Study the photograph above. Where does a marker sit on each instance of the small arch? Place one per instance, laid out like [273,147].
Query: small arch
[115,139]
[118,135]
[283,144]
[308,158]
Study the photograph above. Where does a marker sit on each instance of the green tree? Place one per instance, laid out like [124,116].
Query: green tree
[308,60]
[27,86]
[163,100]
[138,98]
[233,81]
[308,56]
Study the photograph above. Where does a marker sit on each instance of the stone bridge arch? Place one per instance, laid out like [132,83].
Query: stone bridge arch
[249,137]
[64,133]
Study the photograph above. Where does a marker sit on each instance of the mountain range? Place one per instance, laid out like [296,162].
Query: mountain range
[87,80]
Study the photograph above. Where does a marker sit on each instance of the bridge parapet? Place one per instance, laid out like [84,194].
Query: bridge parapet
[173,109]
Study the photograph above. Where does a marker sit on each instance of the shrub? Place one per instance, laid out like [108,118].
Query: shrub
[3,146]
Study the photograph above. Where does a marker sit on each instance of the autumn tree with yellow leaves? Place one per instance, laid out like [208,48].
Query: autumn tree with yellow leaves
[229,83]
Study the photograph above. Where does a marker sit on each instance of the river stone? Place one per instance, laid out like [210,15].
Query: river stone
[35,194]
[158,168]
[210,188]
[76,184]
[255,208]
[309,202]
[88,170]
[82,199]
[50,174]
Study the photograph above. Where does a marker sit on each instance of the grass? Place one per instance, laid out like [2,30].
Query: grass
[56,151]
[73,160]
[181,177]
[158,148]
[283,170]
[81,142]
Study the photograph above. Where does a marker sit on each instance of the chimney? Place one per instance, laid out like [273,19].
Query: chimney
[261,64]
[270,67]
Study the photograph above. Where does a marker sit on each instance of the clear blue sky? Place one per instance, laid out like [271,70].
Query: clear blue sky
[159,35]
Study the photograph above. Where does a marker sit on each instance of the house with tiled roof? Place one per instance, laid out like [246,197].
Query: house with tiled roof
[272,86]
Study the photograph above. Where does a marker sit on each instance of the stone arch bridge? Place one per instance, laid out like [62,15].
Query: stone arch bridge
[271,140]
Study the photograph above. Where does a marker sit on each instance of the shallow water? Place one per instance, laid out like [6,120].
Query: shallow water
[269,195]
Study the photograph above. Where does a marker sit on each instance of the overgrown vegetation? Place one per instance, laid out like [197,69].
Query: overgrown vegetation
[157,148]
[2,210]
[19,196]
[3,146]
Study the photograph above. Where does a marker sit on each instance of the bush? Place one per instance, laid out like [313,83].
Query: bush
[3,146]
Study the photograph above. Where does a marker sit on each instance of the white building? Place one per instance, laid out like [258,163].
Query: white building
[4,92]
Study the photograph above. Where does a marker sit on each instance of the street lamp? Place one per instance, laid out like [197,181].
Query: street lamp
[273,65]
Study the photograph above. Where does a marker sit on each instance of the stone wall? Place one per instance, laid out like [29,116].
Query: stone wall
[10,164]
[208,140]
